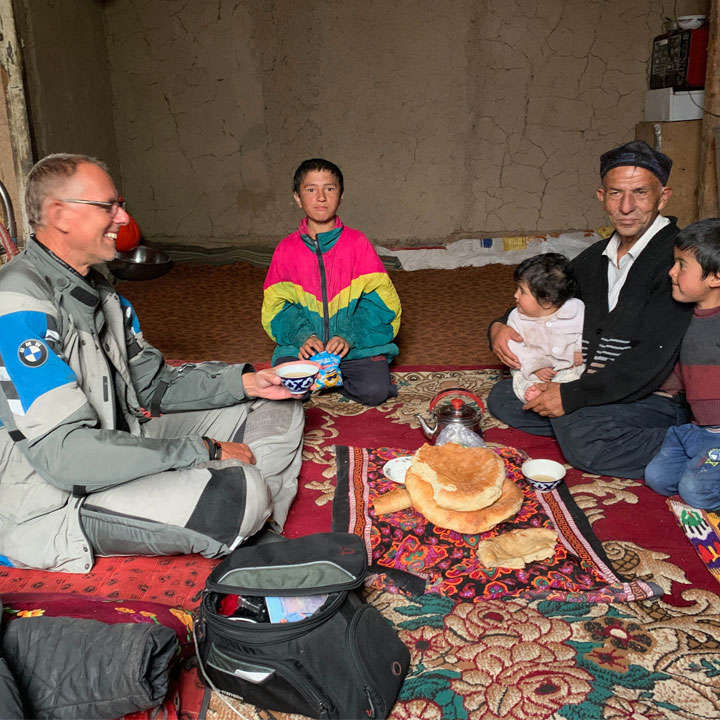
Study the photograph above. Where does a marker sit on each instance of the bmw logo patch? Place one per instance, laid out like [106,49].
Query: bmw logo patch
[32,353]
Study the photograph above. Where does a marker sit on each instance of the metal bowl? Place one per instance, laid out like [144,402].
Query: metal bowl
[140,263]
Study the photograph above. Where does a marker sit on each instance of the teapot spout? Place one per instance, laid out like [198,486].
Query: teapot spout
[430,432]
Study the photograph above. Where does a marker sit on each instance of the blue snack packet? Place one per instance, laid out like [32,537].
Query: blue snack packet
[329,373]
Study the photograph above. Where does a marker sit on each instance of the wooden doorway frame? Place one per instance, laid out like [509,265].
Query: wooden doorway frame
[11,70]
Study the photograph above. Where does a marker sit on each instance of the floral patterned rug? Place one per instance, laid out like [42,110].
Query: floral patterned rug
[531,659]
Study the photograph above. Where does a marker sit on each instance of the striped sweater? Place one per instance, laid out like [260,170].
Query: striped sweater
[630,351]
[698,370]
[333,285]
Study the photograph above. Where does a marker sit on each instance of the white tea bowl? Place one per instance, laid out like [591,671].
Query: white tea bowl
[298,376]
[543,474]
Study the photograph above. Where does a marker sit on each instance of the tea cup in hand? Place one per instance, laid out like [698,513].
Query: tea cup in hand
[297,376]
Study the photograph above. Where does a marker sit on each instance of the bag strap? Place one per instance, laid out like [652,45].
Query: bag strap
[209,681]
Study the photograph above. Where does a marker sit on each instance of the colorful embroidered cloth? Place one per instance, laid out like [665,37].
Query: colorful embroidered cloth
[702,529]
[414,556]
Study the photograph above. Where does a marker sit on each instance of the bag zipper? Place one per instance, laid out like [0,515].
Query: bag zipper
[323,287]
[306,689]
[359,665]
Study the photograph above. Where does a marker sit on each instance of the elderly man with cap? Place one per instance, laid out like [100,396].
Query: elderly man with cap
[612,420]
[105,449]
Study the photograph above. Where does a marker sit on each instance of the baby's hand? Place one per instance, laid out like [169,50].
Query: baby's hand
[577,358]
[532,392]
[545,374]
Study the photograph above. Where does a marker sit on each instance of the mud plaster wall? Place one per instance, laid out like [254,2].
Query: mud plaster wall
[461,119]
[67,78]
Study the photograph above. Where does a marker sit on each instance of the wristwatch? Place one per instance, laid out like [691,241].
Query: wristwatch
[214,448]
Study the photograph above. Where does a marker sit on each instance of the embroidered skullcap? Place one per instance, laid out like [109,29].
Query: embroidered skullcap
[638,154]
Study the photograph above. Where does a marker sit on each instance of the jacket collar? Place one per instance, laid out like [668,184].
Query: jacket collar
[85,286]
[324,240]
[611,249]
[566,311]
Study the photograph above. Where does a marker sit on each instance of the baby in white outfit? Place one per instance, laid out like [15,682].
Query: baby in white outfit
[550,321]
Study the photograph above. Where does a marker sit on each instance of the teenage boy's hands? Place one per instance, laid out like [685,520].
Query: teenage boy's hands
[311,346]
[338,346]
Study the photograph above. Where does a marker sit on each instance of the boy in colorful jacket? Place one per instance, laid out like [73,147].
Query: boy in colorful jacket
[327,290]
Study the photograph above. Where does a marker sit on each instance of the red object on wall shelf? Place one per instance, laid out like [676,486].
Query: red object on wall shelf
[128,236]
[679,59]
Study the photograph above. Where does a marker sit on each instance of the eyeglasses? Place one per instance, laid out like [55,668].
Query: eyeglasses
[110,206]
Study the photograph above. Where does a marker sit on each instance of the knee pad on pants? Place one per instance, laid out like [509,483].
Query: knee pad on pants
[235,504]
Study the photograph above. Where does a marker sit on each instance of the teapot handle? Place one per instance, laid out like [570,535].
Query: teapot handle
[457,391]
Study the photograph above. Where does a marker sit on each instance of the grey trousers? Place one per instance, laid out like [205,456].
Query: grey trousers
[210,508]
[618,439]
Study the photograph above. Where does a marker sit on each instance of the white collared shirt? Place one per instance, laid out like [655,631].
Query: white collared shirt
[618,274]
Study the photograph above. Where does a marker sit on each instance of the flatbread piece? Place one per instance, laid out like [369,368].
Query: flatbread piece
[461,478]
[468,523]
[390,502]
[515,548]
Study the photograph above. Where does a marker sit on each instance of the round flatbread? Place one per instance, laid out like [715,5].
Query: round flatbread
[468,523]
[461,478]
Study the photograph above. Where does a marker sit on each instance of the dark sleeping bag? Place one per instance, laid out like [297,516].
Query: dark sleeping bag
[73,668]
[10,703]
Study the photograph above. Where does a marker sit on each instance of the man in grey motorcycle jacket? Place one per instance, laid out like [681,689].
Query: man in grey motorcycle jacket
[105,449]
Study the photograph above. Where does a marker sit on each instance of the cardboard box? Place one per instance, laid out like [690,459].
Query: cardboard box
[666,104]
[682,142]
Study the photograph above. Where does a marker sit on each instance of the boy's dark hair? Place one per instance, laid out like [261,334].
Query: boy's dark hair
[549,278]
[702,239]
[307,166]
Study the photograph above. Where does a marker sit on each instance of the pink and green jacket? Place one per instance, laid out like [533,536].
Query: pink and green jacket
[335,285]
